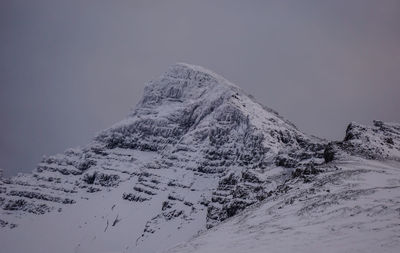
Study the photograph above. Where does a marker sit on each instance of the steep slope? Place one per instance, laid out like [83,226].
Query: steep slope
[351,204]
[195,151]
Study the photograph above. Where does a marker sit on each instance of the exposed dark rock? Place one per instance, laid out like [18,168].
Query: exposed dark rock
[133,197]
[235,207]
[41,196]
[380,141]
[329,152]
[166,205]
[23,205]
[101,179]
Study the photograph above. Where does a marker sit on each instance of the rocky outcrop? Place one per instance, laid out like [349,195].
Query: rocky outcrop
[379,141]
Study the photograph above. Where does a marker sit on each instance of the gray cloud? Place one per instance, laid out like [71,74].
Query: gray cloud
[71,68]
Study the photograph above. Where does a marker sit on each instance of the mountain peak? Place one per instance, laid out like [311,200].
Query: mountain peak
[183,82]
[196,151]
[195,73]
[187,103]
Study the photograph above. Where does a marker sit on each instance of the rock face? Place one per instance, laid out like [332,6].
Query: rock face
[196,151]
[379,142]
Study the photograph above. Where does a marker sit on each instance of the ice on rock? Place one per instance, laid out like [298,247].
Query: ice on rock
[196,151]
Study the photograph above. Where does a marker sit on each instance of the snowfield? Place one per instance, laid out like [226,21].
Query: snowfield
[200,166]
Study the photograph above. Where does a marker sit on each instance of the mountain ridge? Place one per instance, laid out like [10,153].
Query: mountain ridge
[196,151]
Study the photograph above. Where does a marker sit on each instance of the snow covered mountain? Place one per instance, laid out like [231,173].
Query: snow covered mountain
[200,164]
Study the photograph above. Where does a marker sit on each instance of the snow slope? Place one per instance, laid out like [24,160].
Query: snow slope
[350,206]
[197,153]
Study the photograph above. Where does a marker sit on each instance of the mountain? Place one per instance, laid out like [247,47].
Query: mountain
[200,166]
[350,204]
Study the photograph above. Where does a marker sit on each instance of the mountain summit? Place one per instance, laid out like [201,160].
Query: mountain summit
[199,153]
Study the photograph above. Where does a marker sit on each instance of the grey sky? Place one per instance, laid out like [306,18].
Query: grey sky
[71,68]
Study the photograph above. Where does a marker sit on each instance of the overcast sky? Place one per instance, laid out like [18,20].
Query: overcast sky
[69,69]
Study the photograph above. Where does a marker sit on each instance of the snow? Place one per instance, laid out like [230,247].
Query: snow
[360,213]
[82,227]
[197,153]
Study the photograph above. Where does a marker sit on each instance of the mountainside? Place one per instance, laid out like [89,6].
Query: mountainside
[199,155]
[350,205]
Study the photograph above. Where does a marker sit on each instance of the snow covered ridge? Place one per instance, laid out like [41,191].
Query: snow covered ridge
[196,152]
[380,141]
